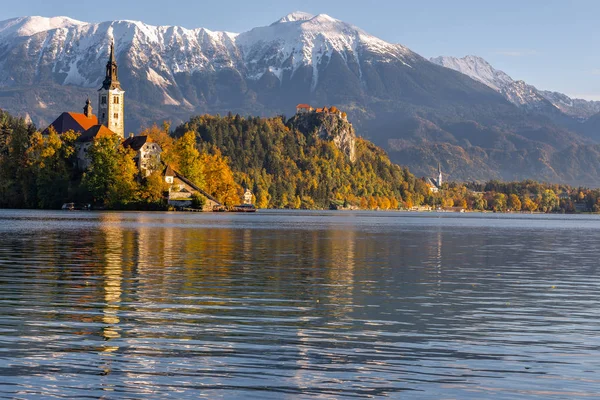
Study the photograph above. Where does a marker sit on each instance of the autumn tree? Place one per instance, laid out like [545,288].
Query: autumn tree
[514,203]
[162,137]
[549,201]
[188,158]
[218,178]
[499,202]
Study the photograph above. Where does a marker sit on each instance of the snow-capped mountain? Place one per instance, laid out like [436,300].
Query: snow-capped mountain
[71,52]
[518,92]
[420,112]
[300,39]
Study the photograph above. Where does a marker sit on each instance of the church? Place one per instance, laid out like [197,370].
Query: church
[109,121]
[435,184]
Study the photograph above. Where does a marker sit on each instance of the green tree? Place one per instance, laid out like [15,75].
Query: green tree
[198,201]
[188,158]
[153,188]
[110,179]
[549,201]
[52,162]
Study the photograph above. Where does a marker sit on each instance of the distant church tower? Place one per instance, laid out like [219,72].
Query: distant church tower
[439,175]
[111,98]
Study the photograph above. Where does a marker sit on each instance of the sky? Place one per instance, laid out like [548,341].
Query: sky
[551,44]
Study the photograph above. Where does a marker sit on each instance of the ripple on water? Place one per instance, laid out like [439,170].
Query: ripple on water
[298,305]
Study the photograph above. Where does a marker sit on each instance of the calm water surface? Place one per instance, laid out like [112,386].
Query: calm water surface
[286,305]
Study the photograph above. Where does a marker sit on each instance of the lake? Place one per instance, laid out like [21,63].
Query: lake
[299,305]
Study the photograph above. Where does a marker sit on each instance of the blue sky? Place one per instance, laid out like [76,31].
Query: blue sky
[551,44]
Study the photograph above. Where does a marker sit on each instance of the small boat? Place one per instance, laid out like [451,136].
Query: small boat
[244,208]
[68,206]
[73,207]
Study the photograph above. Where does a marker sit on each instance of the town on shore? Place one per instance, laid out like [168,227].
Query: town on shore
[313,160]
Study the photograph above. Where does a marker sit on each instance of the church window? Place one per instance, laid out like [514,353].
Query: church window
[103,115]
[116,100]
[116,116]
[103,99]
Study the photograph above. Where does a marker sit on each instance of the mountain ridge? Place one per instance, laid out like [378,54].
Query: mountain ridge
[394,97]
[518,92]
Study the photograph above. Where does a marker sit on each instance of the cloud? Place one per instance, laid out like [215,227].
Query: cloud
[595,71]
[517,53]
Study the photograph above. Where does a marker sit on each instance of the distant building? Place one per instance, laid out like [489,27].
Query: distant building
[147,153]
[182,189]
[306,109]
[303,109]
[248,197]
[564,196]
[435,184]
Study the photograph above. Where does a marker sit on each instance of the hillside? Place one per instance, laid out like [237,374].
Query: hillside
[306,162]
[419,112]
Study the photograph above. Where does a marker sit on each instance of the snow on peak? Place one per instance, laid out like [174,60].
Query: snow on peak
[27,26]
[476,68]
[294,16]
[300,39]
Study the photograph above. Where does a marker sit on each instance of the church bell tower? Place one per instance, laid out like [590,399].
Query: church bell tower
[111,98]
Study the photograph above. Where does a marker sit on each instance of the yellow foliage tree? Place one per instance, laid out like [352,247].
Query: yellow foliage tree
[218,178]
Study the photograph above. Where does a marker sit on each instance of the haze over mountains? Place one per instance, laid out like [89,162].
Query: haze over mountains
[479,123]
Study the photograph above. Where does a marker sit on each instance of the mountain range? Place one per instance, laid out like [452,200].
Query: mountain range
[519,92]
[478,125]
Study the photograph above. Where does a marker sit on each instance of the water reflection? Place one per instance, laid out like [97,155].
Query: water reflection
[277,305]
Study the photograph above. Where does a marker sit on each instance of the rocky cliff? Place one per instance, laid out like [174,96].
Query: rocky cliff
[332,126]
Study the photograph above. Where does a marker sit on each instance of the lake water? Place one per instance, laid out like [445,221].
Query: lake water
[298,305]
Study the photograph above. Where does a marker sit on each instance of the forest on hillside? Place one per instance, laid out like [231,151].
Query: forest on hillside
[284,166]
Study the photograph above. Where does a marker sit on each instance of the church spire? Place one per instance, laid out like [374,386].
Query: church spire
[439,174]
[111,97]
[111,81]
[112,52]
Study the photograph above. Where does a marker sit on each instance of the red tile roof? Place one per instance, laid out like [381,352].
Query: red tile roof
[95,131]
[303,106]
[72,121]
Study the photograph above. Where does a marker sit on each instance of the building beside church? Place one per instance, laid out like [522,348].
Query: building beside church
[182,190]
[248,197]
[147,153]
